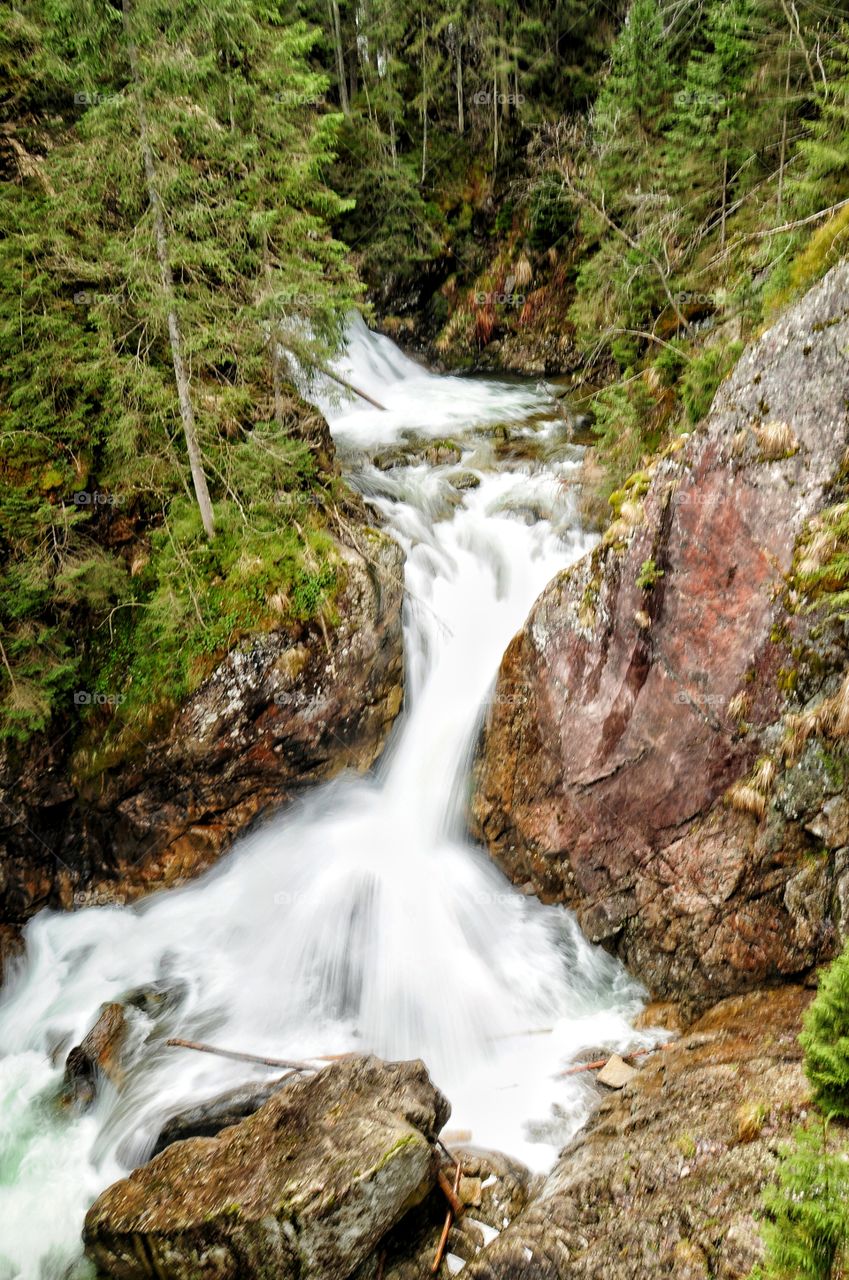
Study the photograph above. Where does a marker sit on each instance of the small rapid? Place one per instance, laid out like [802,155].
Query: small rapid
[361,918]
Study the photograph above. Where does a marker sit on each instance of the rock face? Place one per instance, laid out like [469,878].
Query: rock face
[305,1187]
[666,1179]
[617,724]
[493,1190]
[286,709]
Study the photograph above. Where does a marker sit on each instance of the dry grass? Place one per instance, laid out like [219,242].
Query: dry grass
[798,729]
[631,513]
[775,439]
[763,775]
[738,707]
[836,718]
[746,799]
[524,271]
[817,553]
[751,1117]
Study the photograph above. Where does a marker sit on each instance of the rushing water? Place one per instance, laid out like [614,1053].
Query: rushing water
[361,918]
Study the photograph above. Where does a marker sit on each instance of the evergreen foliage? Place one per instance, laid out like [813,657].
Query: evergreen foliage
[807,1235]
[825,1039]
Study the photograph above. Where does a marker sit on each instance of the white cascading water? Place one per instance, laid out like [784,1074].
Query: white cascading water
[361,918]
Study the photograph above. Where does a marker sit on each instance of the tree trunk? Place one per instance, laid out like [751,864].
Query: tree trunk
[167,281]
[494,120]
[783,154]
[336,27]
[461,123]
[424,97]
[725,180]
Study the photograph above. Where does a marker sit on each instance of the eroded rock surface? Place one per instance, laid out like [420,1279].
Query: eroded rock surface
[284,710]
[666,1179]
[305,1187]
[647,680]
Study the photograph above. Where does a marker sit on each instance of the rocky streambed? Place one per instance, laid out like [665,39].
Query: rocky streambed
[663,753]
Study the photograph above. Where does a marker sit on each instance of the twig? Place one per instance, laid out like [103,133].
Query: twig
[449,1217]
[449,1192]
[241,1057]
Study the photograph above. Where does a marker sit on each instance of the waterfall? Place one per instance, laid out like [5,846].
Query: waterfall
[361,918]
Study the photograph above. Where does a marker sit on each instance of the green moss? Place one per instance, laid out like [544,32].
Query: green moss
[649,575]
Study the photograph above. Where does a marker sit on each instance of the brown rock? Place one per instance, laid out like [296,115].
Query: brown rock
[609,746]
[99,1053]
[283,711]
[658,1184]
[306,1187]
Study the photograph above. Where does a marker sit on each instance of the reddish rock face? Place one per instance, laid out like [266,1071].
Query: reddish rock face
[609,745]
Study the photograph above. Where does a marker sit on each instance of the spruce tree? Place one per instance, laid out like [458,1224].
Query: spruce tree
[808,1229]
[825,1039]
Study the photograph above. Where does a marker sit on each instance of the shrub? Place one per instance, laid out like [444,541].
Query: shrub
[825,1039]
[807,1236]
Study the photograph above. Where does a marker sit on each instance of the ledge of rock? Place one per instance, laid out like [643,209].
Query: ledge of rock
[305,1187]
[284,710]
[666,1179]
[616,727]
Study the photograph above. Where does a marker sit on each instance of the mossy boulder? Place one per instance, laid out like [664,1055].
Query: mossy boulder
[305,1187]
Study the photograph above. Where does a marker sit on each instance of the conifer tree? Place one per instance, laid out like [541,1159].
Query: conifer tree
[806,1238]
[825,1039]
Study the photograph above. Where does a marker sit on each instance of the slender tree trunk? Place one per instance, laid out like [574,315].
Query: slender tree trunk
[725,180]
[424,97]
[167,281]
[461,123]
[783,154]
[336,27]
[273,342]
[495,120]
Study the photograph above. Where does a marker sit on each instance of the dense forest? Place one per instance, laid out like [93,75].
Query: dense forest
[191,190]
[194,198]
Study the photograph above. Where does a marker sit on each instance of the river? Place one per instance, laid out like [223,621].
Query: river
[361,917]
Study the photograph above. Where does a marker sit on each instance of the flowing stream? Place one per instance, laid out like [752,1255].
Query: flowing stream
[360,918]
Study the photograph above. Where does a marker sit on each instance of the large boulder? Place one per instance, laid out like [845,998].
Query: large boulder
[666,1179]
[284,710]
[305,1187]
[650,676]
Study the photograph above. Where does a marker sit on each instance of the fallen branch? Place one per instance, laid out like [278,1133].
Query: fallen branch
[243,1057]
[598,1063]
[449,1218]
[349,386]
[450,1193]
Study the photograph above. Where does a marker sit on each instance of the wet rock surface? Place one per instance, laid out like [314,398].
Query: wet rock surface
[666,1178]
[98,1054]
[284,710]
[493,1189]
[307,1186]
[647,680]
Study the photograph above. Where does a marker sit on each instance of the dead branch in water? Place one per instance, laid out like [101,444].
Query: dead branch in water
[598,1063]
[246,1057]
